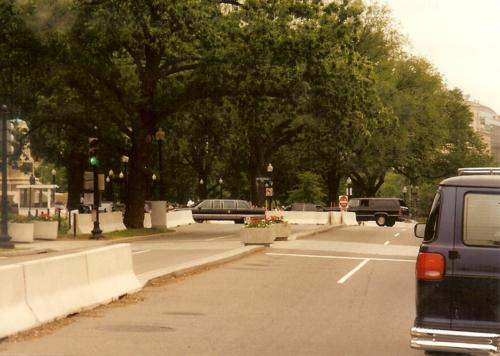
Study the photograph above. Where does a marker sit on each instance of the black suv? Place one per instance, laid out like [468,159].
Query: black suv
[384,211]
[458,269]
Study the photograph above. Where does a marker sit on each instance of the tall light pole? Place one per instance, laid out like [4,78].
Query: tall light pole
[202,195]
[269,189]
[405,190]
[160,138]
[220,184]
[109,179]
[4,233]
[53,172]
[153,181]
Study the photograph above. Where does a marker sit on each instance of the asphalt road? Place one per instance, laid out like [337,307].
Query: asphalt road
[346,292]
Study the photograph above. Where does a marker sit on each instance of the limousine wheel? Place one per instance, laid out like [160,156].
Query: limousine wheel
[380,220]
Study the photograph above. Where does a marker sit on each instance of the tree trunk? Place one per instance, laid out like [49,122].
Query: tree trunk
[75,166]
[333,182]
[138,172]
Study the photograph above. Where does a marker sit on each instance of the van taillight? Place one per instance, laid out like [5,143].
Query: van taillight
[430,266]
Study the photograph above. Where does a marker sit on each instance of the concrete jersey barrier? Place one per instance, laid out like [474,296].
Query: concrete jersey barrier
[179,218]
[16,314]
[52,288]
[111,273]
[58,286]
[349,219]
[108,222]
[336,218]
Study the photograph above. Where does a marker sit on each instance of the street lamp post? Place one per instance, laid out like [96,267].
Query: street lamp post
[269,187]
[153,181]
[220,185]
[53,195]
[349,187]
[109,179]
[405,190]
[160,138]
[202,195]
[4,233]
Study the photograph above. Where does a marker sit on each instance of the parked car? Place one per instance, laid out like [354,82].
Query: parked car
[304,207]
[226,209]
[458,269]
[384,211]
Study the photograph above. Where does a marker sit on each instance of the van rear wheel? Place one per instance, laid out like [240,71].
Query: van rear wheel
[380,220]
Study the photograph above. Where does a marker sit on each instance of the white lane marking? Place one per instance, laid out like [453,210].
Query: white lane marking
[350,274]
[340,257]
[387,243]
[396,235]
[219,238]
[142,251]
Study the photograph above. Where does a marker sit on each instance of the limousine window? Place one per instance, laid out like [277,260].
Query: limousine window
[243,204]
[229,204]
[482,220]
[205,204]
[217,204]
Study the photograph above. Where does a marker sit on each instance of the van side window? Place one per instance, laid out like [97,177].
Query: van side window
[482,219]
[353,203]
[432,221]
[364,203]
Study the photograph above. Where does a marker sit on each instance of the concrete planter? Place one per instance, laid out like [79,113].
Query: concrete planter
[257,236]
[21,232]
[46,230]
[281,231]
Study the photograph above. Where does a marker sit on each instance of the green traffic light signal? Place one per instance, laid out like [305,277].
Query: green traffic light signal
[93,161]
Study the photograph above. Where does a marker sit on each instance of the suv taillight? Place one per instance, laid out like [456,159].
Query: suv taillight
[430,266]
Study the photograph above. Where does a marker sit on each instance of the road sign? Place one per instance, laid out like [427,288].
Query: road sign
[343,201]
[269,192]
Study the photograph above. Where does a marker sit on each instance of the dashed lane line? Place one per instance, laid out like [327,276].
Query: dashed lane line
[352,272]
[340,257]
[219,238]
[141,251]
[396,235]
[387,243]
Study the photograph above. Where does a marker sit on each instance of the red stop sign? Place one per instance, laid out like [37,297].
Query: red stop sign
[343,201]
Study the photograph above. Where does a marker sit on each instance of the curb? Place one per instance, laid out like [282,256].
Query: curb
[184,268]
[301,235]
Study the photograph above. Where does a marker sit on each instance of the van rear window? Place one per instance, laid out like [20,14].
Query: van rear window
[482,219]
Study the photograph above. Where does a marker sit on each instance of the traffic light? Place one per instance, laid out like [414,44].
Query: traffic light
[10,137]
[93,151]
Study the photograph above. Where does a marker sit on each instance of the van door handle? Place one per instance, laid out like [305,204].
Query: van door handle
[453,255]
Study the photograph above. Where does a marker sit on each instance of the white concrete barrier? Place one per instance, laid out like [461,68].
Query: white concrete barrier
[349,219]
[147,221]
[117,218]
[336,218]
[84,224]
[159,214]
[15,312]
[113,221]
[111,273]
[58,286]
[306,217]
[179,218]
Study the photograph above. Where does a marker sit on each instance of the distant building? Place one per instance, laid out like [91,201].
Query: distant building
[486,122]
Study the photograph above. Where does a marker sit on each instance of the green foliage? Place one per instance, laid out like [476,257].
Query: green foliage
[309,189]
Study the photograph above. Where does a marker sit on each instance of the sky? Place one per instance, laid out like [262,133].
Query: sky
[461,38]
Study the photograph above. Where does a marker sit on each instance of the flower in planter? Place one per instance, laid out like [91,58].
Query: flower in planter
[20,219]
[277,220]
[257,222]
[44,217]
